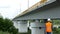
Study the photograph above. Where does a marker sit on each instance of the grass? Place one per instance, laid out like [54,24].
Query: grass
[1,32]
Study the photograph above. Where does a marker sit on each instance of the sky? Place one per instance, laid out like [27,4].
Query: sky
[11,8]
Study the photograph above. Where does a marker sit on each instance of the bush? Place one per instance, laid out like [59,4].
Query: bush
[56,30]
[7,25]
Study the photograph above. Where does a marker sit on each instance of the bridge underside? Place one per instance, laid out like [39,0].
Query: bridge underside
[48,11]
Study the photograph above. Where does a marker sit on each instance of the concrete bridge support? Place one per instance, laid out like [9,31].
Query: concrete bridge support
[35,27]
[22,26]
[15,23]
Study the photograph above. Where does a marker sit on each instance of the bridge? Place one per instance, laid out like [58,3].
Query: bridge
[40,11]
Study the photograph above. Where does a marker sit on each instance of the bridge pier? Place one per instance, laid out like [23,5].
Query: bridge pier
[23,26]
[35,27]
[15,23]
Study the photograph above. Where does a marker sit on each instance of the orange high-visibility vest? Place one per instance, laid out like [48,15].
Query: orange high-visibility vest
[48,27]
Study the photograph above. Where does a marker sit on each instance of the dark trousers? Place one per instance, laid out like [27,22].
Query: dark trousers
[48,32]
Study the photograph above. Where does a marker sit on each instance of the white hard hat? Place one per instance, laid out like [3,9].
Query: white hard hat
[48,19]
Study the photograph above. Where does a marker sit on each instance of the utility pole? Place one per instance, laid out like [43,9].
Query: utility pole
[20,7]
[28,3]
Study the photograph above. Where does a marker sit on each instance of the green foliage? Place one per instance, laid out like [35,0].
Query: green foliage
[56,22]
[7,25]
[1,32]
[13,30]
[56,31]
[1,23]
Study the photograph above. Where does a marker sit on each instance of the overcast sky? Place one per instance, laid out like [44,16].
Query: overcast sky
[11,8]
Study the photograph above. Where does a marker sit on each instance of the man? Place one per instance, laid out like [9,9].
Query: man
[48,26]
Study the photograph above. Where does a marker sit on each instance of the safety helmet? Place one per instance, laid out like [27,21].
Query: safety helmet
[48,19]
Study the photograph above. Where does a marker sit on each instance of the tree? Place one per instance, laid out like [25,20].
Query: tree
[7,25]
[1,22]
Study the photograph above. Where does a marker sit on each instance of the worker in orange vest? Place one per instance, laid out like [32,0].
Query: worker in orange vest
[48,27]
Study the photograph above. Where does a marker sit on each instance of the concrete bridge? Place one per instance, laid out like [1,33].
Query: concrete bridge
[40,11]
